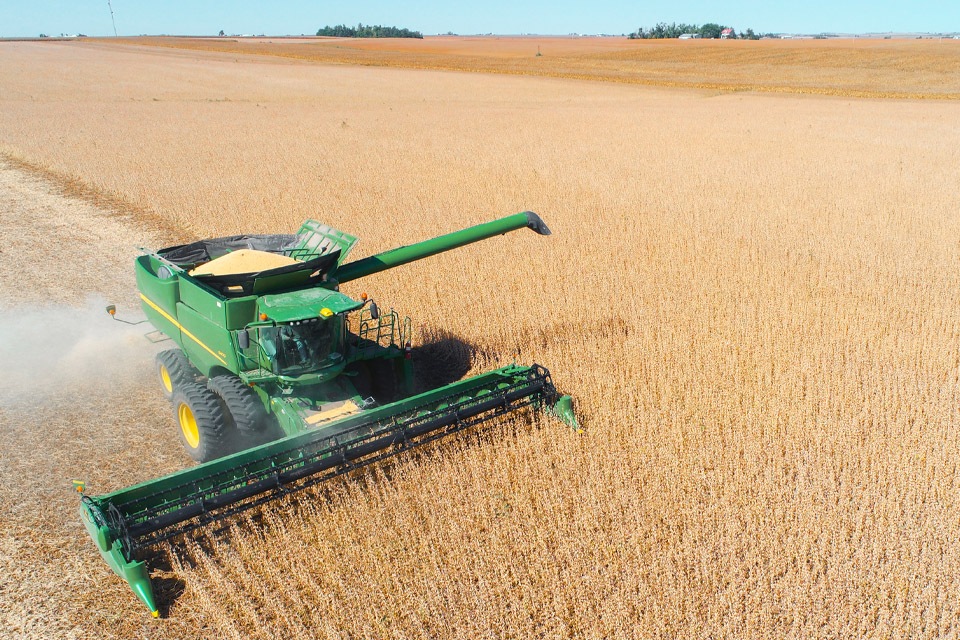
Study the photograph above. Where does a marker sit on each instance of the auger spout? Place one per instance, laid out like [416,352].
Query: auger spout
[403,255]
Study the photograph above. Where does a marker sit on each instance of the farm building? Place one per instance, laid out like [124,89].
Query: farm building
[726,34]
[690,36]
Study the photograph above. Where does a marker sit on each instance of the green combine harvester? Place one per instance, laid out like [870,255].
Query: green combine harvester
[281,381]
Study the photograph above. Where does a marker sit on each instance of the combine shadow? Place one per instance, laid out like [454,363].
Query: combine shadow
[442,358]
[167,586]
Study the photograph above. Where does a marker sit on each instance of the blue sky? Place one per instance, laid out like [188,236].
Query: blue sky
[31,17]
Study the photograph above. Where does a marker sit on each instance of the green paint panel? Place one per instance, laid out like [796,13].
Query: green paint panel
[267,283]
[204,301]
[240,312]
[163,292]
[208,345]
[305,303]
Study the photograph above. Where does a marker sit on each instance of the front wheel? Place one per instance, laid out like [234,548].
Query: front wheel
[201,421]
[174,369]
[244,410]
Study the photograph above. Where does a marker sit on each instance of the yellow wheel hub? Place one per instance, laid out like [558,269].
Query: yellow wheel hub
[188,424]
[165,379]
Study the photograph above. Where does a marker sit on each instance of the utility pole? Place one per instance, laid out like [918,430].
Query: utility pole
[110,6]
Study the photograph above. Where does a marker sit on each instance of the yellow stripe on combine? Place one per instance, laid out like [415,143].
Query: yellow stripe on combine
[180,326]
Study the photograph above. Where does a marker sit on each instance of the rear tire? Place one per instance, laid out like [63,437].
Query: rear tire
[201,422]
[243,408]
[174,369]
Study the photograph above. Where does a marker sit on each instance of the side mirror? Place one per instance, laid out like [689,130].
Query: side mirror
[243,339]
[112,310]
[374,311]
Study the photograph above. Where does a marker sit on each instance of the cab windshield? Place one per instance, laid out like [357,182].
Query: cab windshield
[302,346]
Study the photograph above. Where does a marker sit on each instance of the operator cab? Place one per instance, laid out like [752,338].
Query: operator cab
[304,331]
[304,346]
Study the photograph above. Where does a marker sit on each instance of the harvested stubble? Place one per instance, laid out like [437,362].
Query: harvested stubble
[753,300]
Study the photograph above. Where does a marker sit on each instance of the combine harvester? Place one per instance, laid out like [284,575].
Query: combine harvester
[281,381]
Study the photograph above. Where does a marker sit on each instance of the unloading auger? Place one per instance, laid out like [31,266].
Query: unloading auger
[281,381]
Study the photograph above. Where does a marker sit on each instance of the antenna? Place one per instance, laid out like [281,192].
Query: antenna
[110,6]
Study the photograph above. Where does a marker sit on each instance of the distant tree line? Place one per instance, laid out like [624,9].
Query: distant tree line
[367,31]
[675,30]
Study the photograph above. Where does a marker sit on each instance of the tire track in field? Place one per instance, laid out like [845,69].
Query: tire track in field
[79,402]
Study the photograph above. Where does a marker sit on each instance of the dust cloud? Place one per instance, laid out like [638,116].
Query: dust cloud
[48,351]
